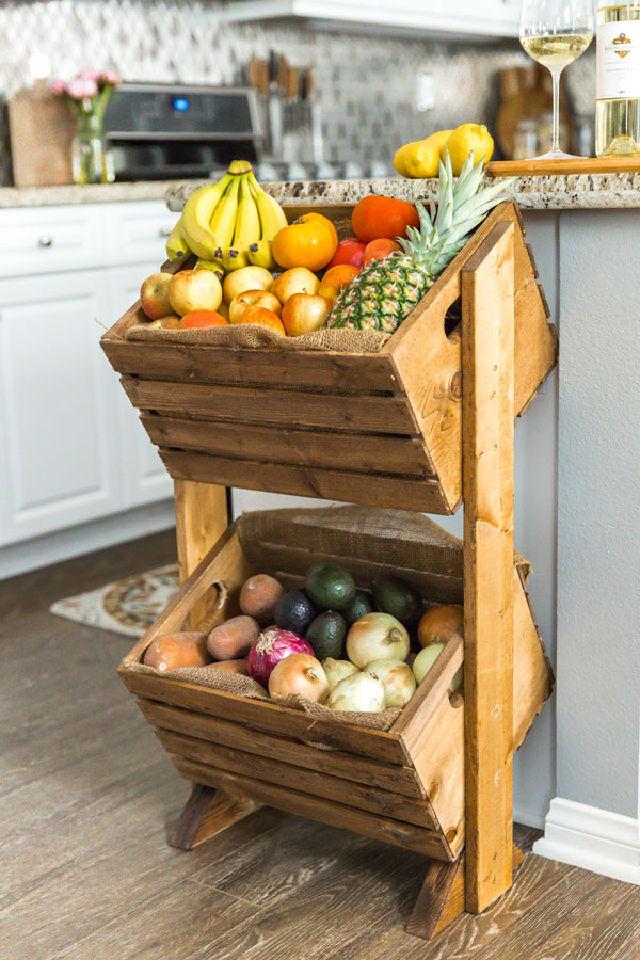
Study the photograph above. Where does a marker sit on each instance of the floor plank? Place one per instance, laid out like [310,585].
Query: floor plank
[87,799]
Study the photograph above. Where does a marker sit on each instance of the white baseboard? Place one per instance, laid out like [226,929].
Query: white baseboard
[583,836]
[85,538]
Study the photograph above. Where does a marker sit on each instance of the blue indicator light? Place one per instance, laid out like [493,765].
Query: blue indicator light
[181,104]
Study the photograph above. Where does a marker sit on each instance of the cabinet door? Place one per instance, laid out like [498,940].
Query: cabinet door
[144,477]
[57,424]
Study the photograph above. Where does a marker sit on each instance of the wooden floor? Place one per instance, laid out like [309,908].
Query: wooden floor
[87,797]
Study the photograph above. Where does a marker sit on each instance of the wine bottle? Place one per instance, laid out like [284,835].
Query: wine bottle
[618,79]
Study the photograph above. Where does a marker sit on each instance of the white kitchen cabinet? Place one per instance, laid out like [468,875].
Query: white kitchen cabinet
[57,416]
[72,449]
[481,20]
[143,474]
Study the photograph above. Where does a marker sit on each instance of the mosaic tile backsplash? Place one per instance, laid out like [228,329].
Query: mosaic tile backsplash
[366,84]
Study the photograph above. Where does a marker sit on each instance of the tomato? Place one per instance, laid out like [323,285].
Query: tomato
[378,249]
[377,217]
[350,251]
[309,242]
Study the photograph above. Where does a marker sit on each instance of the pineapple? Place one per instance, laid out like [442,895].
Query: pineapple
[382,295]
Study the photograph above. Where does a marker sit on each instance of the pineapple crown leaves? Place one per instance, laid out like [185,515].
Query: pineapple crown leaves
[445,227]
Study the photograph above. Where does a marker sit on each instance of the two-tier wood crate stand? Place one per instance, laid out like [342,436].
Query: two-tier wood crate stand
[423,425]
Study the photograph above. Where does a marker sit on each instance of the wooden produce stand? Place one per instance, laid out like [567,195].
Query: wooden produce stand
[422,425]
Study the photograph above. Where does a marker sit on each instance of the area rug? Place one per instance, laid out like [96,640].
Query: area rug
[127,606]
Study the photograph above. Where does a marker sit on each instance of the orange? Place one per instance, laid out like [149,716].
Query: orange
[375,217]
[335,279]
[378,249]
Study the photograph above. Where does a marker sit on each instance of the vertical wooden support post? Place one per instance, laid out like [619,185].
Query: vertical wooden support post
[201,519]
[488,414]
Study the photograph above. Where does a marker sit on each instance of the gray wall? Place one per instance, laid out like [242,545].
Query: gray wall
[599,510]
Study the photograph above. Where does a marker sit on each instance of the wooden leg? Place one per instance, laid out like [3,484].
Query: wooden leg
[201,519]
[488,413]
[208,812]
[442,897]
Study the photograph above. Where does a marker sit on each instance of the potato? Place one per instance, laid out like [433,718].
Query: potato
[233,639]
[187,649]
[259,596]
[231,666]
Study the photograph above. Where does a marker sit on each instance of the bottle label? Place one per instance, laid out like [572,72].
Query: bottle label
[618,60]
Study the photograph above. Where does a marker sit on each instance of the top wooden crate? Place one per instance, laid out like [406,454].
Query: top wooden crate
[379,429]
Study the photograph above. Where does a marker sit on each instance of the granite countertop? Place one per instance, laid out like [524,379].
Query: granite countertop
[538,193]
[14,197]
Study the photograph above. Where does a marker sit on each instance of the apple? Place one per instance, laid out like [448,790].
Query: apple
[246,278]
[335,279]
[253,298]
[202,318]
[304,313]
[172,322]
[195,290]
[262,317]
[154,295]
[350,251]
[296,280]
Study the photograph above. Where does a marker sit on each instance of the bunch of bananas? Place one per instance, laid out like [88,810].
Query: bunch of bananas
[228,224]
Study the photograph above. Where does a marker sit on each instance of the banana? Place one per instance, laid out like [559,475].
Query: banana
[223,221]
[197,215]
[272,216]
[176,245]
[247,229]
[260,255]
[240,166]
[212,265]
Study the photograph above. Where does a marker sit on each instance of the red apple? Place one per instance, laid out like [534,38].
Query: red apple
[295,280]
[350,251]
[154,295]
[304,313]
[253,298]
[195,290]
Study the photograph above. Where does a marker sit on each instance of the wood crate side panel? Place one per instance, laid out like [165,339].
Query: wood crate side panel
[532,676]
[394,832]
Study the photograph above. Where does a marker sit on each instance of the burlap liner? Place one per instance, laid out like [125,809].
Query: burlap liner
[246,336]
[247,687]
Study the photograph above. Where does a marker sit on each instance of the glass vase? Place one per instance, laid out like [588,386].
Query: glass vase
[91,161]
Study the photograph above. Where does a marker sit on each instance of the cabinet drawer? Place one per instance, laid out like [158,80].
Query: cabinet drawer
[51,239]
[138,232]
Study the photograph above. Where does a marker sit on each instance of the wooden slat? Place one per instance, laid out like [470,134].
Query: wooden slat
[287,408]
[417,714]
[201,519]
[318,784]
[335,763]
[316,370]
[404,456]
[488,345]
[339,815]
[266,716]
[574,166]
[366,489]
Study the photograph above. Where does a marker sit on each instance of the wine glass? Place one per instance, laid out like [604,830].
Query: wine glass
[555,33]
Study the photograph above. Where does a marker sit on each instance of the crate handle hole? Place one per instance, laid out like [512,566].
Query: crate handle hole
[453,320]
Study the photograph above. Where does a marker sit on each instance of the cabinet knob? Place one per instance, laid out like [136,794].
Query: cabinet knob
[45,241]
[165,232]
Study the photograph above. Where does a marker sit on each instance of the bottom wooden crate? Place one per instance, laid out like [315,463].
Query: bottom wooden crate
[404,785]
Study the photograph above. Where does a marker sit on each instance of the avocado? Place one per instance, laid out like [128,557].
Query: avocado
[326,634]
[329,586]
[294,611]
[359,606]
[397,597]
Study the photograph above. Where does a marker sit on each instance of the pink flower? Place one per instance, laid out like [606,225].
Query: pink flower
[87,74]
[110,77]
[82,88]
[58,87]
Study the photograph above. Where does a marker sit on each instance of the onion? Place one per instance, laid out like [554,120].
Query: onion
[301,675]
[377,636]
[337,670]
[360,692]
[397,679]
[441,623]
[426,659]
[273,645]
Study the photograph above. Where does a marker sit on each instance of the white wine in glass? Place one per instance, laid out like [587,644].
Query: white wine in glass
[555,33]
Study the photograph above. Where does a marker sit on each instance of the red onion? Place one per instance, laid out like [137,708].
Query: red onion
[273,645]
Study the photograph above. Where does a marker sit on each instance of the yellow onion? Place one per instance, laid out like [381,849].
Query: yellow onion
[298,675]
[360,692]
[377,636]
[397,679]
[425,661]
[337,670]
